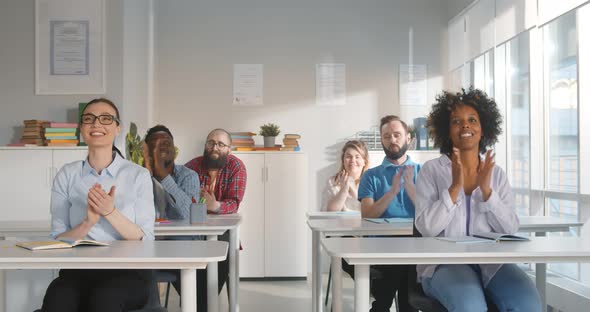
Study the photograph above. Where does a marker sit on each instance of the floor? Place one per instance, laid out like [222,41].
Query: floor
[283,296]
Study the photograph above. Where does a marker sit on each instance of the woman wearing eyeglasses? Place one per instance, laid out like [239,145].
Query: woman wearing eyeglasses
[340,192]
[104,198]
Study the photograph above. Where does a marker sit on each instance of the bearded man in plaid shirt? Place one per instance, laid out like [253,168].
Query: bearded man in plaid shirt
[223,183]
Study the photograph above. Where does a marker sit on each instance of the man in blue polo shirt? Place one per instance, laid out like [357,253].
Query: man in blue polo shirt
[387,191]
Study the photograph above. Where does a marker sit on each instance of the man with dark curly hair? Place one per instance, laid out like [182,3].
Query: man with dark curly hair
[389,191]
[462,193]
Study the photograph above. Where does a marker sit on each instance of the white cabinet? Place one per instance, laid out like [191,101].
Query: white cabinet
[27,176]
[25,188]
[273,230]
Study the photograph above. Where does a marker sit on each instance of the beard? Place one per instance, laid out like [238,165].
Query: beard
[393,155]
[212,163]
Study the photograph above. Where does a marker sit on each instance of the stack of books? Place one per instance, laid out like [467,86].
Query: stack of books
[61,134]
[33,132]
[243,141]
[291,143]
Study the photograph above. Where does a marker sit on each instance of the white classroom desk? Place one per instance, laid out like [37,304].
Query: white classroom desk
[355,226]
[363,252]
[215,225]
[184,255]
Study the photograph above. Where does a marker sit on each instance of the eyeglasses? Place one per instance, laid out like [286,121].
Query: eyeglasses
[103,119]
[212,144]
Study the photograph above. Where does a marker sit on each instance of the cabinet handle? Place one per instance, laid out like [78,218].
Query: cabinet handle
[267,174]
[262,175]
[48,173]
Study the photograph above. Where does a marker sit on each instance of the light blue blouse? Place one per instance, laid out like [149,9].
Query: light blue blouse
[133,197]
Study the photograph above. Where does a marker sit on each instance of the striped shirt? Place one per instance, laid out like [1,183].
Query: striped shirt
[231,182]
[181,186]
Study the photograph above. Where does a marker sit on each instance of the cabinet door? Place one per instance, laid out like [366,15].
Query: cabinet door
[252,211]
[65,156]
[286,202]
[25,187]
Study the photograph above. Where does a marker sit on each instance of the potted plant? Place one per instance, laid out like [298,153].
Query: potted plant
[133,143]
[269,131]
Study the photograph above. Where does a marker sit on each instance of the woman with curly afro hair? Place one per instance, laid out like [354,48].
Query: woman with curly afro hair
[462,192]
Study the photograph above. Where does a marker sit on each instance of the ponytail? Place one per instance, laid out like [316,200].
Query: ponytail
[116,150]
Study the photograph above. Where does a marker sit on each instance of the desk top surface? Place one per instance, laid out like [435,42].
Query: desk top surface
[214,222]
[428,250]
[337,224]
[165,252]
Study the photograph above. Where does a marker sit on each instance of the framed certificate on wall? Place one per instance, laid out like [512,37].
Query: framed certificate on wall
[70,47]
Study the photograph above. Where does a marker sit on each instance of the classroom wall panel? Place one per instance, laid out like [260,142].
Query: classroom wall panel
[197,43]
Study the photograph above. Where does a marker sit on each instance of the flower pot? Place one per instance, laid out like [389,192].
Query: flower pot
[269,141]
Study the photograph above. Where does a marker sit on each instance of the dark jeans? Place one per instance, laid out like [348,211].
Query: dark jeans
[97,291]
[222,276]
[386,280]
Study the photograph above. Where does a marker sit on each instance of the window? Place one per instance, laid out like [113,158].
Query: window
[561,100]
[560,89]
[518,102]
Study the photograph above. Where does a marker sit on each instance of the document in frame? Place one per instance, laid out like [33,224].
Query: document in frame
[248,82]
[69,48]
[330,85]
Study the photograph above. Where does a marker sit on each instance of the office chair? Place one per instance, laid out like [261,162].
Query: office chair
[153,304]
[165,277]
[419,300]
[373,273]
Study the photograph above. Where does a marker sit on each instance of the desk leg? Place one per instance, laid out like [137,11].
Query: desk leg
[212,283]
[361,288]
[188,285]
[541,279]
[234,277]
[316,274]
[336,284]
[2,287]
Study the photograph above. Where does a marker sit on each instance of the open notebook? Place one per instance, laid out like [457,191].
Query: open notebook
[484,237]
[390,220]
[59,243]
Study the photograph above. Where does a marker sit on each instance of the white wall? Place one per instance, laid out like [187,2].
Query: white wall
[197,43]
[454,7]
[17,70]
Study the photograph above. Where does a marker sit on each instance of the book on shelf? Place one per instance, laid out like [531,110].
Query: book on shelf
[52,124]
[31,141]
[58,130]
[262,148]
[71,137]
[62,144]
[60,134]
[59,244]
[34,122]
[245,149]
[292,136]
[290,142]
[73,141]
[290,148]
[243,134]
[485,237]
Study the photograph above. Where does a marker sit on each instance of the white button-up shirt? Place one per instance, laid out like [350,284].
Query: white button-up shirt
[133,197]
[437,215]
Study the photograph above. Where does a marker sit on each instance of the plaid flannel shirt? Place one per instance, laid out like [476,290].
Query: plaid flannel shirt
[231,182]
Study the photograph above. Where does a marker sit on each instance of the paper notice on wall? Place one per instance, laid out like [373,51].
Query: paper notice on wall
[412,85]
[69,47]
[330,84]
[248,85]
